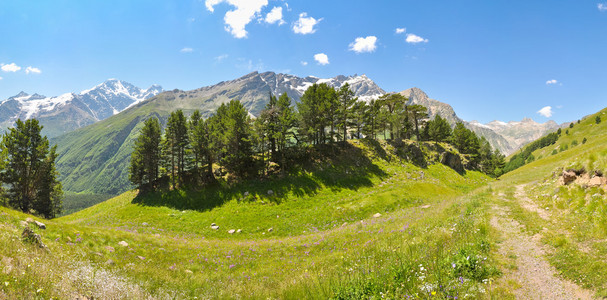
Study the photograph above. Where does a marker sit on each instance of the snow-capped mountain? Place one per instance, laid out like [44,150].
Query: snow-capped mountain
[518,133]
[253,90]
[506,137]
[70,111]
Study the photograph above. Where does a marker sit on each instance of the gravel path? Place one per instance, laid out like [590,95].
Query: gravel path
[534,274]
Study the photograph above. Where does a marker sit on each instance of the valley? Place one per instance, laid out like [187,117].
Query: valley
[401,230]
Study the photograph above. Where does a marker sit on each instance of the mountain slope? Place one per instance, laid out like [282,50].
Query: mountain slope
[70,111]
[95,159]
[569,219]
[505,137]
[316,227]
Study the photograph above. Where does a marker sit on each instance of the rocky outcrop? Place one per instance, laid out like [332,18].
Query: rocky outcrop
[452,160]
[582,178]
[415,155]
[567,177]
[28,235]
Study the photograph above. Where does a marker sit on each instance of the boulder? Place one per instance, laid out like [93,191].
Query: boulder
[595,181]
[123,244]
[568,177]
[30,236]
[214,227]
[238,231]
[377,215]
[270,192]
[270,229]
[415,155]
[231,231]
[452,161]
[40,225]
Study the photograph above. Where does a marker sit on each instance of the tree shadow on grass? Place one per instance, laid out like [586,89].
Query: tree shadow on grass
[334,166]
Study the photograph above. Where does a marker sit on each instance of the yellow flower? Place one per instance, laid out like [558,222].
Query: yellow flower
[433,293]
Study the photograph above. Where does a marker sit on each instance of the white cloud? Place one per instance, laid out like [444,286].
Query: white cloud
[275,16]
[0,78]
[414,39]
[221,58]
[305,25]
[236,20]
[304,63]
[186,50]
[366,44]
[32,70]
[545,111]
[551,81]
[602,6]
[12,67]
[321,58]
[400,30]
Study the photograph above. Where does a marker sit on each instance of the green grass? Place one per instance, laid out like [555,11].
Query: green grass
[579,228]
[431,240]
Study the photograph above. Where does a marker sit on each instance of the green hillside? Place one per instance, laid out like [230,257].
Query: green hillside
[571,219]
[94,159]
[392,230]
[402,230]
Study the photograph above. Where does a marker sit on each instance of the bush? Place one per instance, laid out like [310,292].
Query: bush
[598,119]
[574,143]
[584,141]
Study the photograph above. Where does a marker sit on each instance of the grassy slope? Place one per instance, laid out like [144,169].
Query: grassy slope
[323,244]
[577,236]
[94,159]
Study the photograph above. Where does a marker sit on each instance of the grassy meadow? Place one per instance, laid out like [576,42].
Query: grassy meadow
[396,231]
[362,227]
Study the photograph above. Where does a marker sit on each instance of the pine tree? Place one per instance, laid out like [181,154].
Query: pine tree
[394,105]
[30,173]
[372,119]
[345,111]
[237,155]
[176,143]
[318,111]
[146,156]
[439,129]
[358,119]
[419,114]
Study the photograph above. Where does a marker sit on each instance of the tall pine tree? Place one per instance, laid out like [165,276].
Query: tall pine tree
[176,143]
[30,173]
[146,156]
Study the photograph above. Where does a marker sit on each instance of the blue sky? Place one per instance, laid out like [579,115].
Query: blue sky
[489,59]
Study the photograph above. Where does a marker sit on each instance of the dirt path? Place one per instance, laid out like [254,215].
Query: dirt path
[533,273]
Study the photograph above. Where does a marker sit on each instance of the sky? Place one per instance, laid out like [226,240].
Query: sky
[490,60]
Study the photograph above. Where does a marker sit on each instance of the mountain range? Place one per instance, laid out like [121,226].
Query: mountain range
[94,159]
[71,111]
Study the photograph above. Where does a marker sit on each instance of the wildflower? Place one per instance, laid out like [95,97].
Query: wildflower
[232,266]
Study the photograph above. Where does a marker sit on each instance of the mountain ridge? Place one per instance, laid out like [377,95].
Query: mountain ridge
[95,159]
[69,111]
